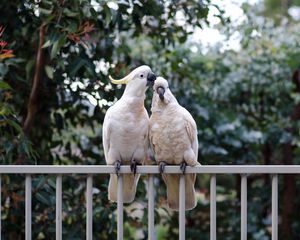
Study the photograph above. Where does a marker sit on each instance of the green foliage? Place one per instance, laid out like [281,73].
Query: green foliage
[13,142]
[242,100]
[246,108]
[277,8]
[82,41]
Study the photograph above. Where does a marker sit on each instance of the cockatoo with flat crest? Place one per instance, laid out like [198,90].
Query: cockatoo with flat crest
[125,131]
[173,137]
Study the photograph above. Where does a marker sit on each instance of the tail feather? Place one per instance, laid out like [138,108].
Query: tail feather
[129,187]
[172,182]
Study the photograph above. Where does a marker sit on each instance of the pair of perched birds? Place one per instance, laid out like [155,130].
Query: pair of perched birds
[171,131]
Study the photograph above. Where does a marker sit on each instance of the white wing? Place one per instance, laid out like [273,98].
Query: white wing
[106,133]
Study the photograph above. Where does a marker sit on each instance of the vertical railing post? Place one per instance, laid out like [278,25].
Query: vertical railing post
[275,207]
[182,207]
[58,220]
[28,207]
[120,207]
[213,216]
[244,207]
[89,207]
[151,232]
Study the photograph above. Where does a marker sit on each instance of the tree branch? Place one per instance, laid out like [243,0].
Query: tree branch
[32,103]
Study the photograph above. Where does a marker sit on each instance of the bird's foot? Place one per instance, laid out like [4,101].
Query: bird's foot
[162,166]
[133,166]
[117,167]
[183,167]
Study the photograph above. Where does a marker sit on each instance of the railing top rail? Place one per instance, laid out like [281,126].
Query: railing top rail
[149,169]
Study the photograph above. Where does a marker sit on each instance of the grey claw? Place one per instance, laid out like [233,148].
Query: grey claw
[183,167]
[117,167]
[162,167]
[133,166]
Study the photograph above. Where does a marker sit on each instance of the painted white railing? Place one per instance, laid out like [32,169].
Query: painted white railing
[91,170]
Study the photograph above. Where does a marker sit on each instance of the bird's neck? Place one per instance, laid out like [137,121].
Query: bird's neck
[134,90]
[134,99]
[134,103]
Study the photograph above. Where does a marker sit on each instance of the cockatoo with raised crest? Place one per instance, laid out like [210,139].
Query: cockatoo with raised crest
[125,131]
[173,137]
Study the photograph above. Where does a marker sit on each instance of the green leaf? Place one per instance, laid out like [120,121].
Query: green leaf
[48,2]
[45,11]
[69,13]
[47,44]
[72,27]
[42,199]
[3,70]
[40,182]
[51,183]
[49,71]
[107,15]
[5,110]
[76,65]
[4,85]
[28,68]
[56,46]
[14,125]
[54,50]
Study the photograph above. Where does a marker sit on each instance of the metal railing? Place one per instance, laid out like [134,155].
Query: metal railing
[91,170]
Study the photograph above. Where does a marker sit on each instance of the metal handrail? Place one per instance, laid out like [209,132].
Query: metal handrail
[90,170]
[149,169]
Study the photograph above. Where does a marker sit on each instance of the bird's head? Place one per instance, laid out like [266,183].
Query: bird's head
[162,95]
[139,78]
[160,87]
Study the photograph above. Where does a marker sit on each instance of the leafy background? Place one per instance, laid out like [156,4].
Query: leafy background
[54,93]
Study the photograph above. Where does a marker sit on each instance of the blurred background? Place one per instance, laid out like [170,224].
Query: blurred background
[233,64]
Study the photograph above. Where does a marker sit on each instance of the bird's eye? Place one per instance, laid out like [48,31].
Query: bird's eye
[141,75]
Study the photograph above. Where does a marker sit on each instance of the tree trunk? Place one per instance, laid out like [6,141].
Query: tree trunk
[289,180]
[32,104]
[33,99]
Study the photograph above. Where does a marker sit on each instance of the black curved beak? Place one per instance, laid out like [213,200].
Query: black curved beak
[161,92]
[150,79]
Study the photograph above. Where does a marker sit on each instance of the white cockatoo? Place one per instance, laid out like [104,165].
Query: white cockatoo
[173,137]
[125,131]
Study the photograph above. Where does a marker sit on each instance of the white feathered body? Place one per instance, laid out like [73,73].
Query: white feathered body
[173,137]
[125,137]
